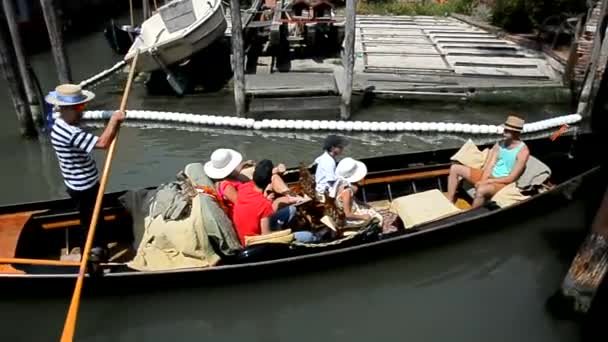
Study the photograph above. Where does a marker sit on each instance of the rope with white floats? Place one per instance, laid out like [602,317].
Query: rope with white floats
[102,75]
[331,125]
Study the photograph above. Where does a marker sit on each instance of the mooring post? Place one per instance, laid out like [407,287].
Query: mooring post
[35,109]
[590,265]
[348,59]
[145,7]
[53,26]
[15,88]
[238,57]
[584,105]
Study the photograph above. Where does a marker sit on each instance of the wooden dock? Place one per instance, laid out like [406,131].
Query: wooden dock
[419,57]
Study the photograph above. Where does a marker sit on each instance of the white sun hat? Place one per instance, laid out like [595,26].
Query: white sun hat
[223,162]
[351,170]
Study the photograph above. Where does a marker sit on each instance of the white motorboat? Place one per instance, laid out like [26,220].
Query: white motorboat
[176,31]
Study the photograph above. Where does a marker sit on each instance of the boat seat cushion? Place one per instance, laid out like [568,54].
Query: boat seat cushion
[422,207]
[470,155]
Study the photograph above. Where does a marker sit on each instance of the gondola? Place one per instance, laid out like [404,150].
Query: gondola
[33,230]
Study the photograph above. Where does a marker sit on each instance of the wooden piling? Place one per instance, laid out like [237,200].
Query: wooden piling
[145,7]
[8,65]
[53,26]
[348,60]
[590,265]
[584,105]
[238,57]
[35,109]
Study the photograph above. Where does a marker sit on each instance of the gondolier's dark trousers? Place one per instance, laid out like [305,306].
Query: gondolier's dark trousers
[85,203]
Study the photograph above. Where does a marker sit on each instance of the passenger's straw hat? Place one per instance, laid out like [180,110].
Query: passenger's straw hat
[514,123]
[351,170]
[69,95]
[223,162]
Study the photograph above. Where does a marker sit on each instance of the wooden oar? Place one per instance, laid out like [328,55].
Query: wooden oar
[70,321]
[43,262]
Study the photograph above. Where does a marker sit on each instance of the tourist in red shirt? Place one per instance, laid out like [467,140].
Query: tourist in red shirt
[256,214]
[225,166]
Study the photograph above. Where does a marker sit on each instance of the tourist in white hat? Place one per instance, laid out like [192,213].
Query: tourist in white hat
[349,172]
[227,168]
[74,147]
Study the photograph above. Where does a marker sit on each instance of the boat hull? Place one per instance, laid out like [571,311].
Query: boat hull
[179,50]
[59,280]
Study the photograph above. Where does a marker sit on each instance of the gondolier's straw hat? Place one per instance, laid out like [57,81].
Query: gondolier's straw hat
[69,95]
[514,123]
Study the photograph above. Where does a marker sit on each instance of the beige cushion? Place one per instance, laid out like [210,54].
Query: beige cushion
[282,236]
[423,207]
[469,155]
[508,195]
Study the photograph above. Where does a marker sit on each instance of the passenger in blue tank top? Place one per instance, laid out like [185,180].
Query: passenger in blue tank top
[504,165]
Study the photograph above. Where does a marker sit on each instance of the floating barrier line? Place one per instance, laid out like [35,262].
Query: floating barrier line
[334,125]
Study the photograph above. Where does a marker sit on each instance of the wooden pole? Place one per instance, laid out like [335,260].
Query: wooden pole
[238,57]
[348,59]
[8,64]
[145,7]
[131,13]
[41,262]
[592,67]
[590,265]
[70,321]
[35,109]
[53,26]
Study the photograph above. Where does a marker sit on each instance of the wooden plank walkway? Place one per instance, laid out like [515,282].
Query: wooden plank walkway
[405,44]
[418,55]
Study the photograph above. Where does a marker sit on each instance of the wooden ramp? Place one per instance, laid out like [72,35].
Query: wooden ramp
[426,54]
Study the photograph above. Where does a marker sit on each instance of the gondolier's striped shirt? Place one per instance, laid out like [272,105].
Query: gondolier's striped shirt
[73,147]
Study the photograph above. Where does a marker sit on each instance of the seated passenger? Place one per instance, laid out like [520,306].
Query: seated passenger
[348,173]
[504,165]
[325,174]
[225,168]
[257,213]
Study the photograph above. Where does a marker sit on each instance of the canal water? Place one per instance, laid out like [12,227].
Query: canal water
[486,288]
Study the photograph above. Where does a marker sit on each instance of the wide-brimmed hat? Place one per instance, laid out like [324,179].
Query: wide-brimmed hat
[69,95]
[223,162]
[514,123]
[351,170]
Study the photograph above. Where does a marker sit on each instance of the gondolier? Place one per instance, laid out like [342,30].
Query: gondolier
[74,147]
